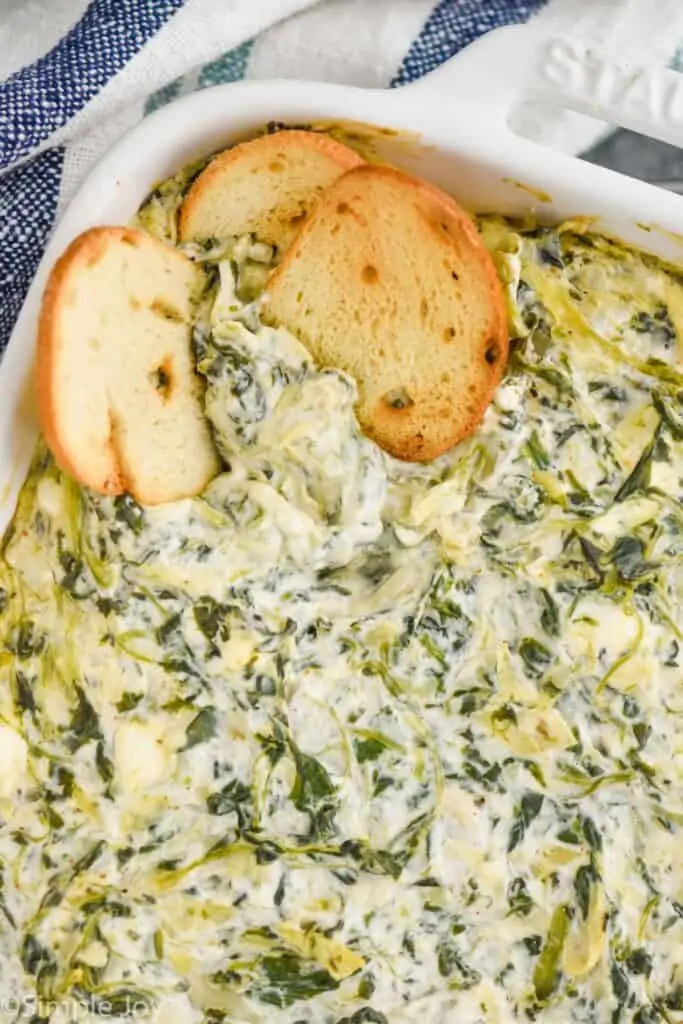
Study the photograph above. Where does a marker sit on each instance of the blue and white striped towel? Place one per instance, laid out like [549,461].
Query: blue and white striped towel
[75,74]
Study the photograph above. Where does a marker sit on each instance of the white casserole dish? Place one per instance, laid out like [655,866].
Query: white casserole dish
[458,135]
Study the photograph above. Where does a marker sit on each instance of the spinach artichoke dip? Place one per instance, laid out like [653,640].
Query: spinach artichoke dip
[347,740]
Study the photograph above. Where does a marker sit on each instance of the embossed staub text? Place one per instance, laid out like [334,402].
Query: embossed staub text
[575,69]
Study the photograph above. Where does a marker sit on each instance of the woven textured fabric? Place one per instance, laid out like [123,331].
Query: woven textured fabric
[229,68]
[454,25]
[37,100]
[28,204]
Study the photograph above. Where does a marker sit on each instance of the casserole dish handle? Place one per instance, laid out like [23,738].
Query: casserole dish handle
[509,67]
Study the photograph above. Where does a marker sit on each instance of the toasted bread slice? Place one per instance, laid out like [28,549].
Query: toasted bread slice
[266,186]
[119,401]
[389,280]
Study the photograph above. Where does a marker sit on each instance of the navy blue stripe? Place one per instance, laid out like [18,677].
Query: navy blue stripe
[42,97]
[28,204]
[455,23]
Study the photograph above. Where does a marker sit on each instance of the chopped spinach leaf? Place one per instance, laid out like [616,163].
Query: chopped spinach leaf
[639,961]
[366,1015]
[128,701]
[279,896]
[313,792]
[525,499]
[24,697]
[591,834]
[203,727]
[452,966]
[504,714]
[639,477]
[370,746]
[627,558]
[210,617]
[36,958]
[375,862]
[85,724]
[88,859]
[75,580]
[550,615]
[127,511]
[267,852]
[369,749]
[105,767]
[642,732]
[274,746]
[26,641]
[674,999]
[64,780]
[537,452]
[528,809]
[289,978]
[620,986]
[671,413]
[535,656]
[234,796]
[168,629]
[583,887]
[658,326]
[519,900]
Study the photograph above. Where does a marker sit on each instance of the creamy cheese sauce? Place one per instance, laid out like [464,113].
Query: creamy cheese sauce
[347,740]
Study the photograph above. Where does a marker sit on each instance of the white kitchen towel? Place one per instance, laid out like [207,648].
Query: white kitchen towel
[75,74]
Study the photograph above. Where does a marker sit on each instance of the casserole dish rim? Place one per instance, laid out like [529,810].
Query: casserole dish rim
[462,143]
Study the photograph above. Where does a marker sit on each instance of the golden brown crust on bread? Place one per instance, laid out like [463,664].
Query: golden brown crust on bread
[86,248]
[266,186]
[103,408]
[390,281]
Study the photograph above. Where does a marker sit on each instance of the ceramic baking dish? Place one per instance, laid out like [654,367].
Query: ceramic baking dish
[452,127]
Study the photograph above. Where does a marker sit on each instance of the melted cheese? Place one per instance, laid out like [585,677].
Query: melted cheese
[13,761]
[350,740]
